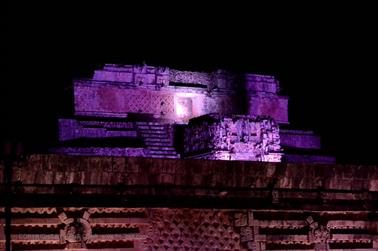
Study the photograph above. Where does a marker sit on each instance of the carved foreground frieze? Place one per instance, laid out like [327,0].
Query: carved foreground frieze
[123,204]
[122,229]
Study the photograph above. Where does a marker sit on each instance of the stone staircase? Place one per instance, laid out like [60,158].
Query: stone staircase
[158,138]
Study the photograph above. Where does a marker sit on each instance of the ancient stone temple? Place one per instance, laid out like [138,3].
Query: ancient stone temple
[160,159]
[157,112]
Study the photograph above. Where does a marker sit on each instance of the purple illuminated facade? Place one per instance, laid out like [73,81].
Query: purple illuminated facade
[129,110]
[163,180]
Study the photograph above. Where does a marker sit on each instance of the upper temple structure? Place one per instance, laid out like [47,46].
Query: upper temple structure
[133,110]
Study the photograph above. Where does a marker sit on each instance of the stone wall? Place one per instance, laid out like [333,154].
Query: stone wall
[353,182]
[116,90]
[222,205]
[58,203]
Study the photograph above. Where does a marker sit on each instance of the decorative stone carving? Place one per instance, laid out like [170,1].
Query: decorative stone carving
[245,223]
[233,138]
[33,210]
[317,233]
[76,232]
[275,197]
[241,219]
[192,229]
[246,234]
[320,234]
[162,70]
[189,77]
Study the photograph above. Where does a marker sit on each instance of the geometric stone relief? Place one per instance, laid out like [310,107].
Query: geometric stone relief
[189,229]
[189,77]
[192,229]
[107,100]
[149,102]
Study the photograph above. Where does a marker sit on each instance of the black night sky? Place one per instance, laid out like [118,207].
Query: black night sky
[325,56]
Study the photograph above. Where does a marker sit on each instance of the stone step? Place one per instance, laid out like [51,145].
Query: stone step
[150,123]
[153,132]
[164,152]
[163,144]
[147,127]
[155,136]
[168,148]
[161,140]
[161,128]
[177,156]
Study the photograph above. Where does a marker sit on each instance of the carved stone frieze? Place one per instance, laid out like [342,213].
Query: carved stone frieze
[234,138]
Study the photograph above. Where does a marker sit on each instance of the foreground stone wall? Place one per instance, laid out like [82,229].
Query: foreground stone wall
[125,229]
[120,204]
